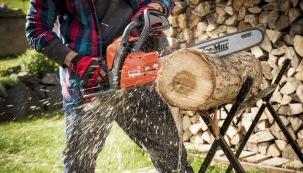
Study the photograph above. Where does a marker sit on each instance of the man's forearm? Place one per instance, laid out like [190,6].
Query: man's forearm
[58,52]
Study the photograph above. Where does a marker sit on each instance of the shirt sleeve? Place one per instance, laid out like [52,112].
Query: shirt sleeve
[40,21]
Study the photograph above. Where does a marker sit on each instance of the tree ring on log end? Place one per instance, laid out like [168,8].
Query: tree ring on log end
[182,86]
[186,79]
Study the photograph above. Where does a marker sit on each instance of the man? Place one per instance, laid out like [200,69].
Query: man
[86,28]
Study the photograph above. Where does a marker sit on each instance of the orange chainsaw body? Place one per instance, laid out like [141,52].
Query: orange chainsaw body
[138,68]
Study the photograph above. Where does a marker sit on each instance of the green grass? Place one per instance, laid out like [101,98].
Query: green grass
[21,4]
[35,145]
[9,61]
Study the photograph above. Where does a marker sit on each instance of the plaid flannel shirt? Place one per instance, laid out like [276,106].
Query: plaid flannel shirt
[78,31]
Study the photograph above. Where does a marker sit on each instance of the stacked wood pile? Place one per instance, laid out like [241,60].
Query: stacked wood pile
[194,21]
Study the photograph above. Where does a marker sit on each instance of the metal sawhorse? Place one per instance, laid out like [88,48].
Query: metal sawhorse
[240,106]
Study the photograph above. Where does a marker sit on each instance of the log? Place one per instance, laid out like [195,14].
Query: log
[296,27]
[274,151]
[237,4]
[251,19]
[273,17]
[266,44]
[281,144]
[196,140]
[295,108]
[204,8]
[270,6]
[236,139]
[289,39]
[262,136]
[300,134]
[221,15]
[173,42]
[279,51]
[206,136]
[171,32]
[299,92]
[241,13]
[299,76]
[257,51]
[300,143]
[194,119]
[246,121]
[182,21]
[180,7]
[248,3]
[298,44]
[263,146]
[231,29]
[232,20]
[212,18]
[194,20]
[283,5]
[193,79]
[273,35]
[282,23]
[291,86]
[263,17]
[195,2]
[296,123]
[187,135]
[195,128]
[231,132]
[294,14]
[186,123]
[289,153]
[242,25]
[229,10]
[255,10]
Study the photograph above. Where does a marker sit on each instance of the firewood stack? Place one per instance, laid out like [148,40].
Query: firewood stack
[194,21]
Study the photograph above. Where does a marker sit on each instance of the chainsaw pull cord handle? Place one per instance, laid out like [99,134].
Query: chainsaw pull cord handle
[114,74]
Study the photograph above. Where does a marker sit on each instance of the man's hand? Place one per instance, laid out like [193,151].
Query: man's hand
[156,6]
[89,70]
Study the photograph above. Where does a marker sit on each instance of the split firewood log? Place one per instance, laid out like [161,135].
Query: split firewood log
[193,79]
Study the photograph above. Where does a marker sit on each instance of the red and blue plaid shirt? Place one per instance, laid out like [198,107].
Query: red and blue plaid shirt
[78,31]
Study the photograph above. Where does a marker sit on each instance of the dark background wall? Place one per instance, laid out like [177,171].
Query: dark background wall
[12,33]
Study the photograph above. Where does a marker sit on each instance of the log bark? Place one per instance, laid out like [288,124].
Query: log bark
[193,79]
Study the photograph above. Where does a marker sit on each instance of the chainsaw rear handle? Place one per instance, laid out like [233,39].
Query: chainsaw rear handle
[153,20]
[150,18]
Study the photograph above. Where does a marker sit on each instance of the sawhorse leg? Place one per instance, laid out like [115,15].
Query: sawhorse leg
[220,139]
[266,104]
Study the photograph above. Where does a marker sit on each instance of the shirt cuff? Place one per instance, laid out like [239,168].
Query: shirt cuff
[56,51]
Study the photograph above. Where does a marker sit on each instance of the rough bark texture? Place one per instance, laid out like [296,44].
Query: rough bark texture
[192,79]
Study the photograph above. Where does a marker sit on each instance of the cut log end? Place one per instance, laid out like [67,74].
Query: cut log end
[184,77]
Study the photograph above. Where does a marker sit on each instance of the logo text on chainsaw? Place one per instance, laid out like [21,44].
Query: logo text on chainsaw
[246,35]
[217,47]
[133,73]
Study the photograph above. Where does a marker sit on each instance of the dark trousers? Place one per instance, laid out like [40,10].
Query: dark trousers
[140,113]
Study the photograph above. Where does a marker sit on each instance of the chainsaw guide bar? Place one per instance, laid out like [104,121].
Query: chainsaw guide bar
[231,43]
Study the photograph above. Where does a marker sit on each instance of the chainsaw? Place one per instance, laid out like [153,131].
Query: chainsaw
[135,61]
